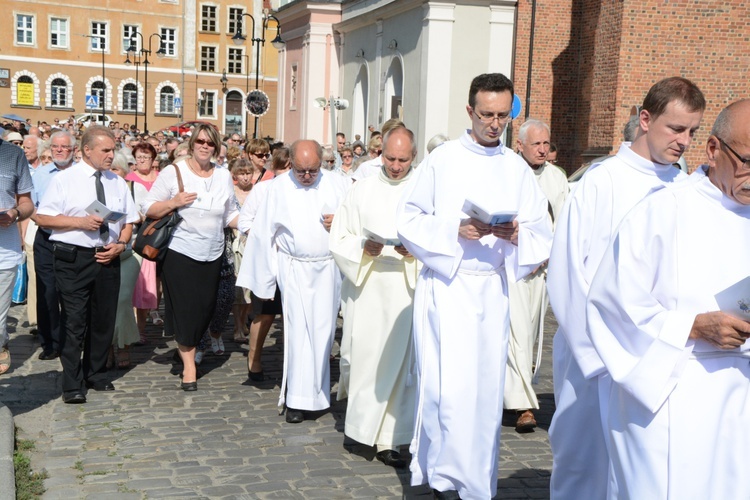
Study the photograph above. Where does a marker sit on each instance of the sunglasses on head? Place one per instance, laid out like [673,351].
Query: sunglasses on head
[201,142]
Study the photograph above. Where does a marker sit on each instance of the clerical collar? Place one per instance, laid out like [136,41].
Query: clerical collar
[384,176]
[643,165]
[469,143]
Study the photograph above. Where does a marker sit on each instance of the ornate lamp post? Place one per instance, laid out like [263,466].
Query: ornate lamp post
[145,53]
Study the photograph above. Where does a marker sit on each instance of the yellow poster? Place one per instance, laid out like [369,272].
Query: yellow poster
[25,94]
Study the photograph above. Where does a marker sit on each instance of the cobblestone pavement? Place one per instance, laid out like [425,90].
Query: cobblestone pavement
[149,439]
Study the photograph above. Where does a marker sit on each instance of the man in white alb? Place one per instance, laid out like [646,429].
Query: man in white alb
[671,328]
[289,243]
[527,299]
[461,298]
[670,115]
[373,167]
[378,293]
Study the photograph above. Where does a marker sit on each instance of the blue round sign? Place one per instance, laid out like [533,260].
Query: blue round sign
[515,111]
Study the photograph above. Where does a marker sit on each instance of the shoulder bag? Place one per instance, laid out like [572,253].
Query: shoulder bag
[154,234]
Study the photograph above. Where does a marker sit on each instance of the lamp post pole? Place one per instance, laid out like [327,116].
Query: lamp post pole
[146,52]
[137,62]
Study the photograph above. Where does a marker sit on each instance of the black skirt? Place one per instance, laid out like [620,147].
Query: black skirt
[260,306]
[190,289]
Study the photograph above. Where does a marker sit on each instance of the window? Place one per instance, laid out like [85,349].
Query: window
[59,93]
[129,97]
[24,29]
[166,100]
[98,36]
[169,41]
[208,103]
[208,18]
[208,58]
[58,32]
[129,37]
[235,19]
[97,89]
[234,61]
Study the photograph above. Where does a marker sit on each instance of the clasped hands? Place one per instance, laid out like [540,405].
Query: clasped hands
[373,249]
[473,229]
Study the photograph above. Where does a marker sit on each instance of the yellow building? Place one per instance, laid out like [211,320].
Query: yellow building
[64,58]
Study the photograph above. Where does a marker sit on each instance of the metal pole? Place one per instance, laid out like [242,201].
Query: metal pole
[104,80]
[145,90]
[137,63]
[256,42]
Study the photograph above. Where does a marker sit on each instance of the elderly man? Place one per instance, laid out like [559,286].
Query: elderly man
[31,148]
[48,308]
[15,205]
[289,244]
[527,300]
[670,115]
[373,166]
[378,292]
[668,315]
[86,251]
[461,302]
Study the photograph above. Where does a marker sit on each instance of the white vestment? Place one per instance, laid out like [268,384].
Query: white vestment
[378,293]
[288,243]
[589,219]
[679,409]
[528,304]
[368,168]
[461,307]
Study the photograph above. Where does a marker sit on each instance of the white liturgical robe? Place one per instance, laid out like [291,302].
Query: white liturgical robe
[589,219]
[461,307]
[377,292]
[679,409]
[288,243]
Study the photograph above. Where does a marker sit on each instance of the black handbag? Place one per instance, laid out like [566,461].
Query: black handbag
[154,235]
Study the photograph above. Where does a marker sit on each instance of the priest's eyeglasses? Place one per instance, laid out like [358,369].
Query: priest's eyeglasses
[744,161]
[488,118]
[312,172]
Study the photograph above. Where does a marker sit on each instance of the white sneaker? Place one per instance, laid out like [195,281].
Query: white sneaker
[198,357]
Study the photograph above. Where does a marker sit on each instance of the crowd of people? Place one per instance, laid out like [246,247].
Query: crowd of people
[441,273]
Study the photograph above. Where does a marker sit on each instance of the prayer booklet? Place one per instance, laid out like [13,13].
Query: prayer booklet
[473,209]
[97,208]
[391,242]
[735,300]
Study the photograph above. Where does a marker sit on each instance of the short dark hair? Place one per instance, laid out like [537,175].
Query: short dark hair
[489,82]
[670,89]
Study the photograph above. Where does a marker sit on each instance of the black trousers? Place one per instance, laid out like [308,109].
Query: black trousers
[88,294]
[47,303]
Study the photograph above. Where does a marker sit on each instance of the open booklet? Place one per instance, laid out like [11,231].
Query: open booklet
[98,208]
[473,209]
[735,300]
[391,241]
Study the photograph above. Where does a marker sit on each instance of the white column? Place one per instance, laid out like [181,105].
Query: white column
[502,20]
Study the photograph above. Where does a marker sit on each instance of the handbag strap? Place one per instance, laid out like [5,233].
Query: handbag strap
[179,179]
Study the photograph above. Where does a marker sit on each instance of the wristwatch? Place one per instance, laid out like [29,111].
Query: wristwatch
[15,219]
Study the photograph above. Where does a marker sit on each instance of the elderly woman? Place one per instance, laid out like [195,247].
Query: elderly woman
[192,263]
[126,330]
[329,160]
[147,288]
[347,157]
[258,152]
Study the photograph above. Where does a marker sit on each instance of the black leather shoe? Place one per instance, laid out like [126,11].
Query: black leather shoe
[189,386]
[391,458]
[446,495]
[73,398]
[100,386]
[256,376]
[294,416]
[47,355]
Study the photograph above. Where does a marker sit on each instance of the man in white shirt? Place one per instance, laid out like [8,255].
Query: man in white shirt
[670,115]
[87,264]
[528,302]
[668,314]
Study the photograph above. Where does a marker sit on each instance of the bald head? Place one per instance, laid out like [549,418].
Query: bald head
[306,156]
[728,152]
[399,150]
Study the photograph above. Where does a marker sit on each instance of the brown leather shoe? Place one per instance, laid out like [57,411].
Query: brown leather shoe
[526,421]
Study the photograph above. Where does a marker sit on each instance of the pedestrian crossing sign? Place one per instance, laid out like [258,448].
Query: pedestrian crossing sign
[92,101]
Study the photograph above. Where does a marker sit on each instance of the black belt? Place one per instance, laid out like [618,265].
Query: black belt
[91,250]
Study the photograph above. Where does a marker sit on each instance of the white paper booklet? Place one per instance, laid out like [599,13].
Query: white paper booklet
[391,241]
[473,209]
[98,208]
[735,300]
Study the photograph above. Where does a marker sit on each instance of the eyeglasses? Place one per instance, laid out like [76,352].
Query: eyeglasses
[17,143]
[312,172]
[60,148]
[143,158]
[745,161]
[262,156]
[347,156]
[201,142]
[489,118]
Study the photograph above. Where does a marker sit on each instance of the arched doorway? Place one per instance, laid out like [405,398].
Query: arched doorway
[233,113]
[394,88]
[360,100]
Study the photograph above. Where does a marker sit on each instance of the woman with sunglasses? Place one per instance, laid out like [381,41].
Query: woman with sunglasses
[191,267]
[258,152]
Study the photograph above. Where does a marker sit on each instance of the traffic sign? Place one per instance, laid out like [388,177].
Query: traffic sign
[92,101]
[177,102]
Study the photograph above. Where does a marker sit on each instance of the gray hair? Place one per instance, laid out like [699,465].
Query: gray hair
[436,141]
[523,131]
[39,143]
[63,133]
[121,161]
[631,128]
[723,125]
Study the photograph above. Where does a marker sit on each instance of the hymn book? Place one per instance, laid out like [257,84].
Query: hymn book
[735,300]
[476,211]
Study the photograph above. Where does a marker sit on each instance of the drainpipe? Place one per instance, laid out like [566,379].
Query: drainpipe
[531,56]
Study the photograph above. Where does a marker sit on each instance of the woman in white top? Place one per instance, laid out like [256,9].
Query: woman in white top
[191,266]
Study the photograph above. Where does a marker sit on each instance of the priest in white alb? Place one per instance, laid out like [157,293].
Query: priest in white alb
[378,293]
[461,298]
[668,314]
[670,115]
[289,243]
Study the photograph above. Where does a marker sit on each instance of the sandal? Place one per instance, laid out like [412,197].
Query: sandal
[217,346]
[155,318]
[4,360]
[123,359]
[240,338]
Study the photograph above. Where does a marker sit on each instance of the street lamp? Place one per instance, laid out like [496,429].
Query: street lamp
[102,39]
[137,62]
[258,42]
[146,62]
